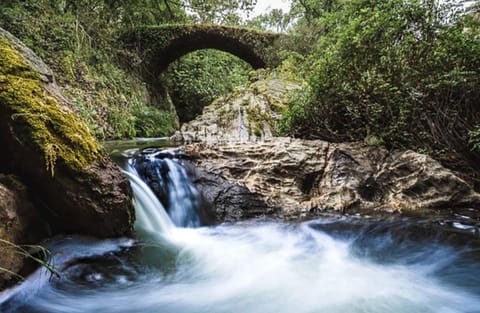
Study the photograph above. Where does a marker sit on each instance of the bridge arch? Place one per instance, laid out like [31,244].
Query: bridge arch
[155,47]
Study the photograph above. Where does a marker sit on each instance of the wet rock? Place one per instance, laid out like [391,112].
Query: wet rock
[19,224]
[225,200]
[213,198]
[52,151]
[301,176]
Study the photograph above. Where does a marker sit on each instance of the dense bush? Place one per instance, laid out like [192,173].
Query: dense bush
[403,73]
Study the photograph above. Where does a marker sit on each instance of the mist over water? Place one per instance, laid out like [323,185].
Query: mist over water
[336,264]
[269,267]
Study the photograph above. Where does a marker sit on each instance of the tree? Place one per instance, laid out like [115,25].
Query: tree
[226,12]
[275,20]
[310,10]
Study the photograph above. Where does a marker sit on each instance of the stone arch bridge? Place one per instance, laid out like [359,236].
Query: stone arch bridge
[150,49]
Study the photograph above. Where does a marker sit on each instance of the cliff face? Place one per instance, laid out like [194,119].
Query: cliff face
[75,187]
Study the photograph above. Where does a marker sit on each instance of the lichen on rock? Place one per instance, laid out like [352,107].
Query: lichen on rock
[72,181]
[38,119]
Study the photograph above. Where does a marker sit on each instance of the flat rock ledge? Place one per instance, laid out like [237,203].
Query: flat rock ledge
[294,177]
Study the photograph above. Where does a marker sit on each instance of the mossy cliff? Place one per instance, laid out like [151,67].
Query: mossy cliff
[66,170]
[250,113]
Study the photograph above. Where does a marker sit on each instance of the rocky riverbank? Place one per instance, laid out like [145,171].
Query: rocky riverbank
[294,177]
[237,153]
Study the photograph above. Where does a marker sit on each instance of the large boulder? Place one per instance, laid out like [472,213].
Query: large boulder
[301,176]
[20,224]
[72,181]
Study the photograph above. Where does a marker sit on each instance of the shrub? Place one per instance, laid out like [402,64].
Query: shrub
[403,71]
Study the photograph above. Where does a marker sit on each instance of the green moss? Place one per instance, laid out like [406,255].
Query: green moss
[277,106]
[255,120]
[38,120]
[221,112]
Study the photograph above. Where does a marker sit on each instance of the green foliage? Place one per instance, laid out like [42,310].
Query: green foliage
[311,10]
[225,12]
[475,138]
[295,114]
[403,71]
[37,253]
[118,104]
[275,19]
[200,77]
[77,39]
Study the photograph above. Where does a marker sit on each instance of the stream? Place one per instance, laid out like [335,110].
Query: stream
[347,264]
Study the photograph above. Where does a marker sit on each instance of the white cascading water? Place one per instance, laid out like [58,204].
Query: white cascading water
[172,182]
[266,267]
[151,215]
[183,197]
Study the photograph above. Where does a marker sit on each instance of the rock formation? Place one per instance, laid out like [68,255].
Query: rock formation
[227,200]
[301,177]
[249,114]
[20,223]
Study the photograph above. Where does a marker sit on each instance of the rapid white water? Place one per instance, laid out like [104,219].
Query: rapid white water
[151,215]
[336,265]
[164,171]
[261,268]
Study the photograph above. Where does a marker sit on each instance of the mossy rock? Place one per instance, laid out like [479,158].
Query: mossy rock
[53,152]
[248,114]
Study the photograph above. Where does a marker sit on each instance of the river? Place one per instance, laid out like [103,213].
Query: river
[347,264]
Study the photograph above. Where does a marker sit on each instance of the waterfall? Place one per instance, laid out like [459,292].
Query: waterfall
[151,214]
[163,191]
